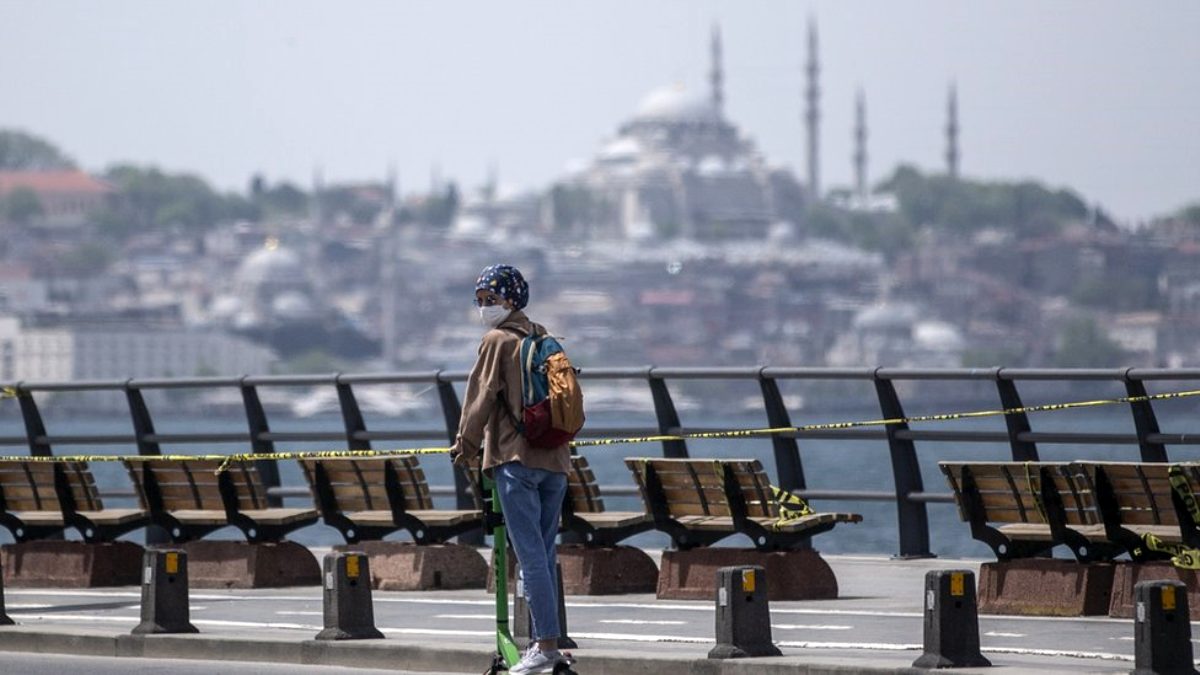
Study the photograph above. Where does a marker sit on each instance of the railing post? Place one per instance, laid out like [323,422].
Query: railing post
[451,414]
[35,428]
[256,420]
[143,425]
[668,419]
[906,472]
[1016,423]
[788,464]
[352,417]
[1144,421]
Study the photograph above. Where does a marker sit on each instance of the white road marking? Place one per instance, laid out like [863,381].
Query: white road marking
[647,622]
[298,612]
[697,607]
[489,617]
[622,637]
[1057,652]
[200,622]
[883,646]
[798,626]
[438,631]
[996,633]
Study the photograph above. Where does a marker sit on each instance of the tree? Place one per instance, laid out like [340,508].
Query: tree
[149,199]
[1190,213]
[20,151]
[957,206]
[1083,345]
[21,206]
[86,260]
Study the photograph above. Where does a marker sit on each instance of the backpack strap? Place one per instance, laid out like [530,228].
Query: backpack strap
[522,336]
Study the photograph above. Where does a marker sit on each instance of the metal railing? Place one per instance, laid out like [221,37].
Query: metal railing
[908,491]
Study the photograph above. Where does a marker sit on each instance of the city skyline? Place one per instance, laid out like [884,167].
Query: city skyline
[1082,95]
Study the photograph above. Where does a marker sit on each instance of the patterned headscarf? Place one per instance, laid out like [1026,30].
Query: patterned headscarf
[505,281]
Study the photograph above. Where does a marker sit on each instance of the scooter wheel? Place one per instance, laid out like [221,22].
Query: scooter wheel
[497,666]
[564,669]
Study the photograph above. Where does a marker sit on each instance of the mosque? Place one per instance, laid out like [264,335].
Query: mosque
[271,299]
[679,167]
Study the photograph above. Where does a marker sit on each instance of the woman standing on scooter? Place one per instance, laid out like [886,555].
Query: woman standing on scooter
[531,481]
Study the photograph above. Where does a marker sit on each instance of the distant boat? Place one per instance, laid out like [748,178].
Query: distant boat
[599,398]
[386,402]
[793,403]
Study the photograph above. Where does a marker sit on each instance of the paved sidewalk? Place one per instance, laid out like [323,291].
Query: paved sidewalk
[876,626]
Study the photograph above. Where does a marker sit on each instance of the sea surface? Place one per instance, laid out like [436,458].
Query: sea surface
[828,464]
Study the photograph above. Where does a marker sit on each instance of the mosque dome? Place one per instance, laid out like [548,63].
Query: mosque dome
[292,305]
[675,104]
[886,317]
[621,149]
[271,264]
[938,335]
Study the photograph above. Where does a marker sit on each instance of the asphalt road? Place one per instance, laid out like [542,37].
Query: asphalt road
[879,612]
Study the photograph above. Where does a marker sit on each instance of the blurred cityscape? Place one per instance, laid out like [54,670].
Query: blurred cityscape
[676,243]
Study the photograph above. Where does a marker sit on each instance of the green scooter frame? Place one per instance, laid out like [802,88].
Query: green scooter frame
[507,653]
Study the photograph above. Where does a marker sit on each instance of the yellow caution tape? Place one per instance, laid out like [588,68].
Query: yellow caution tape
[792,507]
[706,435]
[1181,556]
[226,460]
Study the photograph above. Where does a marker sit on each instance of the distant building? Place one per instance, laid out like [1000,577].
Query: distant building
[273,298]
[678,167]
[117,351]
[67,197]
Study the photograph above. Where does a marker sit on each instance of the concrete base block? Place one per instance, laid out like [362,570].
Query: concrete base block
[71,564]
[792,575]
[594,571]
[1045,587]
[405,566]
[1128,574]
[606,571]
[239,564]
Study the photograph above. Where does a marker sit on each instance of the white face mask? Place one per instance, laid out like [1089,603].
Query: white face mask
[494,315]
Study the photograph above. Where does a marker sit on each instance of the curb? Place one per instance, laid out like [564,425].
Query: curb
[384,654]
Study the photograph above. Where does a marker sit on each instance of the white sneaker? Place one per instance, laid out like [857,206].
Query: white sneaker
[537,661]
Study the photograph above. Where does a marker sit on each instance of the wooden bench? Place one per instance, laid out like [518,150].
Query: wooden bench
[40,499]
[701,501]
[1135,499]
[189,499]
[368,499]
[584,512]
[1025,509]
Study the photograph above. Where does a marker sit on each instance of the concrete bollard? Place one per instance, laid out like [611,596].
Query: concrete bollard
[523,620]
[743,614]
[164,593]
[951,622]
[349,614]
[1162,629]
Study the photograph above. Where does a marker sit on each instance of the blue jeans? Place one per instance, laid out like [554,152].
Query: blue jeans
[532,500]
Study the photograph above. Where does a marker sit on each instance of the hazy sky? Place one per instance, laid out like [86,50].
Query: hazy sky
[1097,95]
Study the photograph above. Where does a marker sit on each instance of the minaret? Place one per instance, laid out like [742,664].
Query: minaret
[316,202]
[389,185]
[952,133]
[812,115]
[716,76]
[860,147]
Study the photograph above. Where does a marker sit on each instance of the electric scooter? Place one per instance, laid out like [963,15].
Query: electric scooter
[507,653]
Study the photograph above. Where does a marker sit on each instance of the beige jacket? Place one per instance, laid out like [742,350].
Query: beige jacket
[485,422]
